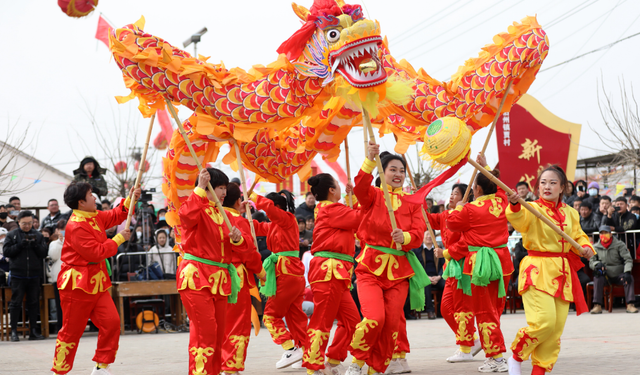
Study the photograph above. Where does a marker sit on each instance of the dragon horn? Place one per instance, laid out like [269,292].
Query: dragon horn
[300,11]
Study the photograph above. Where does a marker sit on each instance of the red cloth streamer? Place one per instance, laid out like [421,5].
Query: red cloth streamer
[102,33]
[419,196]
[574,264]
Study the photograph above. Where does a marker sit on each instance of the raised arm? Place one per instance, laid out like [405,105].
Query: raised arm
[458,220]
[277,216]
[190,211]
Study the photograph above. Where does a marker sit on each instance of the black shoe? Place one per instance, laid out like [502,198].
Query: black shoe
[411,317]
[14,336]
[431,315]
[35,335]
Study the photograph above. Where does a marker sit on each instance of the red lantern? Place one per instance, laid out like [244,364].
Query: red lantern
[146,166]
[77,8]
[120,167]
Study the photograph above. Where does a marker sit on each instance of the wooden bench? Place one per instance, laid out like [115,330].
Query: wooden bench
[145,289]
[5,325]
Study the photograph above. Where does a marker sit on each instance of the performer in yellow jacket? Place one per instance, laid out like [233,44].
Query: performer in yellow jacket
[548,281]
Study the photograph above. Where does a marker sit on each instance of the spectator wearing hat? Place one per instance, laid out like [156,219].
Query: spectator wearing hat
[91,173]
[588,221]
[612,264]
[594,193]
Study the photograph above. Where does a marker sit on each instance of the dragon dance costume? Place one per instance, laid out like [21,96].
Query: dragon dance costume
[206,280]
[456,306]
[383,271]
[548,281]
[285,277]
[84,282]
[238,325]
[488,263]
[329,274]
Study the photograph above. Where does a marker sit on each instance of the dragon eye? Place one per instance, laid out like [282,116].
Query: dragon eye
[333,35]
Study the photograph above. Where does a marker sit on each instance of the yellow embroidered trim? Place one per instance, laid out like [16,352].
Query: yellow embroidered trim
[446,255]
[237,243]
[127,203]
[407,238]
[459,208]
[200,192]
[368,166]
[84,214]
[119,239]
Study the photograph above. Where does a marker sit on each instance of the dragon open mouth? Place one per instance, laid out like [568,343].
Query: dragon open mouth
[358,62]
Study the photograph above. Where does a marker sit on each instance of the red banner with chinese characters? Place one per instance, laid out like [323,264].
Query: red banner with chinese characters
[530,138]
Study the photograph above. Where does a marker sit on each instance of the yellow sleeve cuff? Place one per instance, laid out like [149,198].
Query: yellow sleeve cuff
[200,192]
[118,239]
[262,274]
[127,203]
[368,166]
[237,243]
[459,208]
[446,255]
[407,238]
[487,168]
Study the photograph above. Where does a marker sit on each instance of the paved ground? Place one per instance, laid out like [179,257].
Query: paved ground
[591,344]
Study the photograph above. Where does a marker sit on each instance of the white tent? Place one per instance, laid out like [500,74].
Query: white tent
[32,180]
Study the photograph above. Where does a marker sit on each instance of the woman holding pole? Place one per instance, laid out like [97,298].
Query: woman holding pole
[383,270]
[548,281]
[330,273]
[484,229]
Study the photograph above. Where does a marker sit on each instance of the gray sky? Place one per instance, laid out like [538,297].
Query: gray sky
[54,73]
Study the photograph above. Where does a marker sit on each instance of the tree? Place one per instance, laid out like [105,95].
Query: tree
[621,118]
[12,151]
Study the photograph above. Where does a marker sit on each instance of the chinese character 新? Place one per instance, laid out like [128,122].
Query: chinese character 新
[530,149]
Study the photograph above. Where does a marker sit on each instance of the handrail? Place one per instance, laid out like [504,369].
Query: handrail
[117,259]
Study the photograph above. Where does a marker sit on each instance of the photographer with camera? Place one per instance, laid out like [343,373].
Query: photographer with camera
[25,247]
[612,264]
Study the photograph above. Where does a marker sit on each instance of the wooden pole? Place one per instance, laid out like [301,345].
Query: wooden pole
[198,164]
[385,190]
[346,152]
[526,205]
[244,188]
[253,185]
[132,200]
[486,141]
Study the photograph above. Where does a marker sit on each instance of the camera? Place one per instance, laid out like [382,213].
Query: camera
[145,196]
[31,237]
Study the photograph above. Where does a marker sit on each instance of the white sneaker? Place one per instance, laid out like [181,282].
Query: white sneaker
[297,365]
[493,365]
[515,367]
[354,369]
[476,348]
[394,367]
[289,357]
[102,371]
[329,369]
[460,356]
[405,365]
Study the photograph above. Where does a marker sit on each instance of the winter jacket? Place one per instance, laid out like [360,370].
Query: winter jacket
[590,224]
[97,178]
[616,258]
[52,221]
[622,223]
[55,252]
[25,257]
[305,211]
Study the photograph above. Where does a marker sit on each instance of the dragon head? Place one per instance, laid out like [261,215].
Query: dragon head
[336,38]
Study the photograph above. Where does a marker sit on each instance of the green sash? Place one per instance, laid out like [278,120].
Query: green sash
[108,266]
[417,282]
[487,268]
[233,273]
[339,256]
[454,269]
[269,264]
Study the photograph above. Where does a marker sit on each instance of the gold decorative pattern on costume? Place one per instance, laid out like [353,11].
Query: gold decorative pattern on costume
[487,345]
[362,328]
[187,274]
[523,344]
[394,336]
[496,207]
[331,267]
[98,279]
[214,214]
[200,359]
[316,340]
[60,360]
[218,279]
[240,345]
[70,274]
[463,318]
[275,333]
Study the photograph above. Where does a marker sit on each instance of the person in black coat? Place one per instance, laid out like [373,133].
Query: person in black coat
[25,247]
[425,255]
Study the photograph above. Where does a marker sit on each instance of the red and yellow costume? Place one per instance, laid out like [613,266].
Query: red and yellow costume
[238,326]
[456,306]
[205,278]
[548,281]
[283,241]
[330,277]
[84,282]
[484,229]
[382,276]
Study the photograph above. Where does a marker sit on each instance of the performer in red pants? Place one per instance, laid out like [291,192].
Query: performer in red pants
[285,276]
[385,273]
[84,279]
[456,305]
[206,278]
[329,274]
[248,264]
[484,228]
